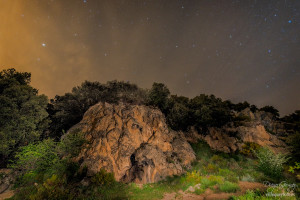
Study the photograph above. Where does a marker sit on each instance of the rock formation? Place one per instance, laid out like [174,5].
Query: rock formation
[231,138]
[133,142]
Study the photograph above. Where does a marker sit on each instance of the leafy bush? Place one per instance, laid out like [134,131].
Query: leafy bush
[211,168]
[68,109]
[103,178]
[269,163]
[193,177]
[37,157]
[229,187]
[71,143]
[248,148]
[294,142]
[52,189]
[23,115]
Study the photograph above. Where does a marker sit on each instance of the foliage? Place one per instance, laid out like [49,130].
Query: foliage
[292,121]
[193,177]
[48,157]
[103,178]
[67,110]
[270,109]
[37,157]
[248,149]
[294,142]
[71,143]
[22,112]
[229,187]
[209,111]
[158,96]
[178,114]
[294,169]
[52,189]
[241,106]
[270,163]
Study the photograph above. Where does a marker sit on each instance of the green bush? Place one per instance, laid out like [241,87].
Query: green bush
[36,158]
[52,189]
[294,142]
[269,163]
[71,143]
[248,148]
[193,177]
[229,187]
[103,178]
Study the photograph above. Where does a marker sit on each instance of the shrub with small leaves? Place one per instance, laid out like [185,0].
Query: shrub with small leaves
[53,188]
[103,178]
[193,177]
[248,148]
[269,163]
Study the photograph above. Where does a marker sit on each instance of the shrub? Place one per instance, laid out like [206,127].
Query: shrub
[52,189]
[193,177]
[248,148]
[36,157]
[71,143]
[294,142]
[229,175]
[103,178]
[269,163]
[229,187]
[211,168]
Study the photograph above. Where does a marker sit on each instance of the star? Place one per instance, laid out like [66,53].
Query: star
[269,50]
[290,21]
[84,1]
[44,44]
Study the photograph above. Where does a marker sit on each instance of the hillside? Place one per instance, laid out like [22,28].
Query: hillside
[118,141]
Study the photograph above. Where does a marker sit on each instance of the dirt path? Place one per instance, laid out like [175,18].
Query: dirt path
[210,195]
[6,194]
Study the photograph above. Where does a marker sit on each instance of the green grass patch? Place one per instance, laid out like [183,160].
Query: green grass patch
[229,187]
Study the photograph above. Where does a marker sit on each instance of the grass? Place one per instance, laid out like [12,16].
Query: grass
[229,187]
[218,171]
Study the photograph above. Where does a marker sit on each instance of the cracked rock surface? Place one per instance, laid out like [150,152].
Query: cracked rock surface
[133,142]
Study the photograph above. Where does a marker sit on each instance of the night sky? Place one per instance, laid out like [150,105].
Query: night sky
[235,49]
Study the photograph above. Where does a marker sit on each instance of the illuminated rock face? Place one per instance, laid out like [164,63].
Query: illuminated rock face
[231,138]
[133,142]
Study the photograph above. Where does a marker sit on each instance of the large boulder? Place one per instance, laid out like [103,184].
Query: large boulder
[133,142]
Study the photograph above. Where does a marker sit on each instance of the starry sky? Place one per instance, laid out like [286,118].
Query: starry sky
[235,49]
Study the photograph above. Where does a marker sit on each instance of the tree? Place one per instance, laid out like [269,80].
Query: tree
[23,115]
[178,116]
[158,96]
[270,109]
[209,111]
[241,106]
[67,110]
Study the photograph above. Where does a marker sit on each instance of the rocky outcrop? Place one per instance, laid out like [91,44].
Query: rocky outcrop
[230,139]
[265,119]
[133,142]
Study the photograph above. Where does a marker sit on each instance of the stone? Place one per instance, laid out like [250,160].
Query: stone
[230,139]
[132,141]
